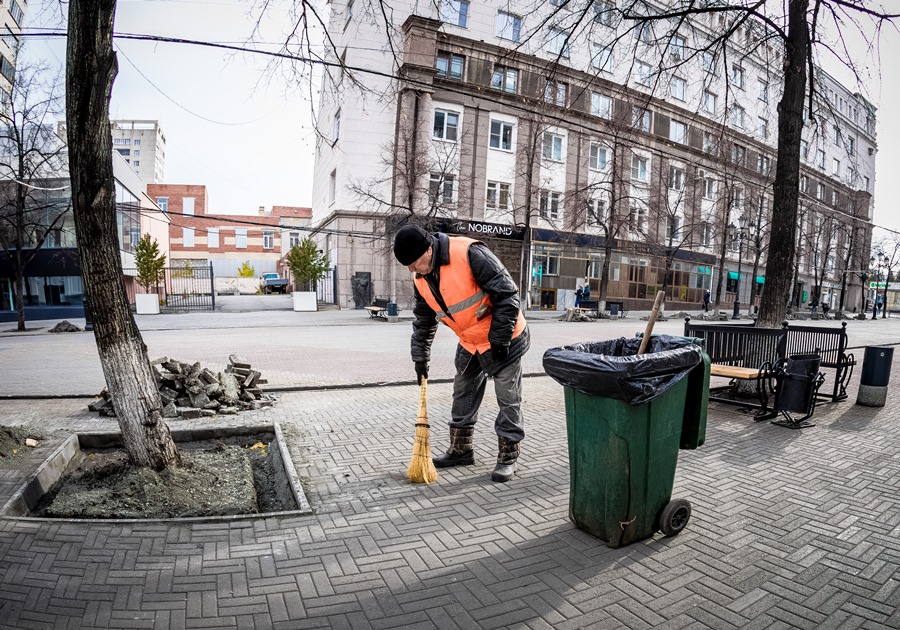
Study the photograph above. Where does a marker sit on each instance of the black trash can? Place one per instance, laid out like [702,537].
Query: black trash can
[392,309]
[876,373]
[797,380]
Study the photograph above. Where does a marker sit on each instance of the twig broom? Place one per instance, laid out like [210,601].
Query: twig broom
[421,468]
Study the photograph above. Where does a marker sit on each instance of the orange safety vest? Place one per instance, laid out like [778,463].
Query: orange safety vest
[463,297]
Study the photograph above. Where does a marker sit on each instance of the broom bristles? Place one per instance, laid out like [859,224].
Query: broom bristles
[421,467]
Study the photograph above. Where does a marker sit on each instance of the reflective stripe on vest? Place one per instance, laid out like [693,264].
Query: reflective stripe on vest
[461,306]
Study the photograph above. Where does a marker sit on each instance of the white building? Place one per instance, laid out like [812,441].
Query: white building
[143,145]
[12,17]
[561,137]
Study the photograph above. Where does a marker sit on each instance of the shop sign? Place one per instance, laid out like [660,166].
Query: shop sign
[481,228]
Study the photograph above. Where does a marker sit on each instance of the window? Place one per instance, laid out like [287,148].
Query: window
[555,93]
[124,152]
[498,196]
[676,178]
[601,105]
[710,102]
[136,163]
[549,265]
[762,90]
[455,12]
[866,182]
[187,236]
[706,233]
[851,146]
[820,158]
[677,132]
[240,238]
[268,239]
[835,166]
[710,143]
[804,183]
[603,58]
[7,69]
[834,197]
[644,32]
[552,147]
[763,128]
[673,227]
[440,188]
[187,205]
[640,119]
[549,205]
[804,149]
[121,141]
[676,88]
[163,203]
[737,198]
[644,73]
[738,153]
[136,153]
[558,42]
[598,157]
[332,186]
[851,176]
[505,79]
[637,219]
[336,127]
[737,77]
[604,11]
[709,61]
[836,135]
[762,164]
[293,239]
[501,135]
[709,188]
[509,26]
[820,191]
[212,238]
[676,48]
[449,65]
[639,171]
[737,116]
[16,12]
[596,212]
[137,143]
[446,125]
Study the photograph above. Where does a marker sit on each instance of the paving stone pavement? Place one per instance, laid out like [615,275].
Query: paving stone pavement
[790,529]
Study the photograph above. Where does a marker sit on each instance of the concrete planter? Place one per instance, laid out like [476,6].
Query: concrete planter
[146,303]
[305,301]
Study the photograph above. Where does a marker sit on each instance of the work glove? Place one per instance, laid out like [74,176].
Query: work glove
[421,371]
[499,353]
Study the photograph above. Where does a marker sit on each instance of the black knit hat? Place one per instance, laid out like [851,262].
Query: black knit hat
[410,243]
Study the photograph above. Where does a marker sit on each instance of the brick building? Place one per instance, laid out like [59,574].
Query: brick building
[200,237]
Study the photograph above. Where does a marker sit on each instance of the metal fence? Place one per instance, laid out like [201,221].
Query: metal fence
[326,288]
[185,288]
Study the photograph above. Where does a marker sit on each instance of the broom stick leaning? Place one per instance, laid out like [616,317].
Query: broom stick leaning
[421,467]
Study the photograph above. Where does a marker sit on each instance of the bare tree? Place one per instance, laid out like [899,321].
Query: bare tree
[34,206]
[90,71]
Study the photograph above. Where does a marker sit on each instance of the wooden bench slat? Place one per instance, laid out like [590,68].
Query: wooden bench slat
[733,371]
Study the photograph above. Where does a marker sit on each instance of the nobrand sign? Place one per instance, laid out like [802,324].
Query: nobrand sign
[481,228]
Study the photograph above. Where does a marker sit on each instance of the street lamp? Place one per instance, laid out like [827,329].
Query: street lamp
[741,235]
[878,262]
[887,281]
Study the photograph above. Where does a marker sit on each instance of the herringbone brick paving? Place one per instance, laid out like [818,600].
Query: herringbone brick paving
[790,529]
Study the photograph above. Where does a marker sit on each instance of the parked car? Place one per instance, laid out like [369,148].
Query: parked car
[275,284]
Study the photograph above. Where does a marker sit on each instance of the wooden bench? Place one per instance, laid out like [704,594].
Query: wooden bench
[741,353]
[592,307]
[831,343]
[378,308]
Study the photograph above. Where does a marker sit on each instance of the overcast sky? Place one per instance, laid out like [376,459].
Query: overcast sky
[263,153]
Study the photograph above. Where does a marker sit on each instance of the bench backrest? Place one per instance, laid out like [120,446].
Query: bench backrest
[380,302]
[738,344]
[831,342]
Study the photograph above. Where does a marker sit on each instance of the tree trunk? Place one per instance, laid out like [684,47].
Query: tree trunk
[787,172]
[20,279]
[90,70]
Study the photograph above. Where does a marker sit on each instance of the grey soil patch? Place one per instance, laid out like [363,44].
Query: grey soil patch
[12,440]
[216,479]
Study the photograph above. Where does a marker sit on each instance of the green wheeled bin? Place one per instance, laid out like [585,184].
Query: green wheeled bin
[627,416]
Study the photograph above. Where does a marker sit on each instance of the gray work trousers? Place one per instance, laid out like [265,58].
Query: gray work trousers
[468,392]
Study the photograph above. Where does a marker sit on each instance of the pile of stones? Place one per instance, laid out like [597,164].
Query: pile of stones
[190,391]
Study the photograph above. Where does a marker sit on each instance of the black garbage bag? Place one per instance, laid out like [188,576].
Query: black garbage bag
[613,368]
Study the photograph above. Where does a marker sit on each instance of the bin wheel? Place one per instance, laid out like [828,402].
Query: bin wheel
[675,517]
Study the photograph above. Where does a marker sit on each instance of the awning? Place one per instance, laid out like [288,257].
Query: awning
[760,279]
[733,275]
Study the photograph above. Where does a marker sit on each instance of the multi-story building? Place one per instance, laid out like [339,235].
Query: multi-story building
[227,241]
[143,145]
[12,16]
[583,146]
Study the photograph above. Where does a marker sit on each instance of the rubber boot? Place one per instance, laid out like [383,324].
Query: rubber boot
[461,451]
[508,453]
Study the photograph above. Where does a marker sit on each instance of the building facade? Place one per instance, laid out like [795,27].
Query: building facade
[583,149]
[142,145]
[12,18]
[198,236]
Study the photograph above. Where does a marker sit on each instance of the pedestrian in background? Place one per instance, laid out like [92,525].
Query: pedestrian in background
[578,293]
[706,300]
[586,294]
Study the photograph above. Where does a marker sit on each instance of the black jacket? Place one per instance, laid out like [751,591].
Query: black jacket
[493,278]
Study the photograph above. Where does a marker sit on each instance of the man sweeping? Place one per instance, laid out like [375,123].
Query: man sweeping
[460,282]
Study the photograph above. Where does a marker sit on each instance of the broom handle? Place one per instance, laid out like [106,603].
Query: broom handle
[423,406]
[660,296]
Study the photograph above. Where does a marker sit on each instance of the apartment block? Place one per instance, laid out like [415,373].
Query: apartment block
[12,18]
[582,147]
[143,146]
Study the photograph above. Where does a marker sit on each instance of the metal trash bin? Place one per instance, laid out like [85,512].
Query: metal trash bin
[613,310]
[393,312]
[797,381]
[626,417]
[876,373]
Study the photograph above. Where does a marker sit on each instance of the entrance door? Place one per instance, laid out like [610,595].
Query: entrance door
[548,299]
[6,295]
